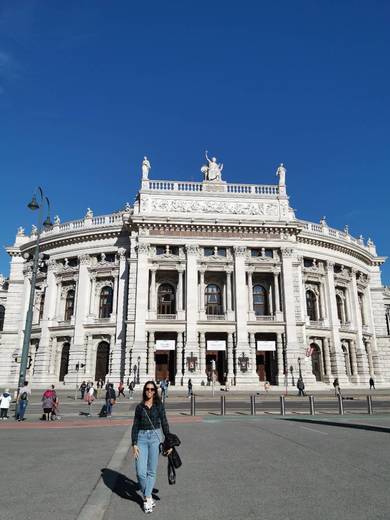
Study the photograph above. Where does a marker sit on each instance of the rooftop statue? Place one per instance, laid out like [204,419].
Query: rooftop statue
[281,173]
[145,168]
[212,171]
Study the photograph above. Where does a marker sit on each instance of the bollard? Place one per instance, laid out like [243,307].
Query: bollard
[223,405]
[341,404]
[369,405]
[253,405]
[282,405]
[193,410]
[311,404]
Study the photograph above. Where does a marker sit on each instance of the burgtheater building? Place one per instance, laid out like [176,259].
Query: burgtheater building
[198,280]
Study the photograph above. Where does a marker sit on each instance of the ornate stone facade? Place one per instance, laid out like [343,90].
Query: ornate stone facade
[199,276]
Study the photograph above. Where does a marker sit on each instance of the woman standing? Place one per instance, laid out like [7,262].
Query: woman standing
[149,419]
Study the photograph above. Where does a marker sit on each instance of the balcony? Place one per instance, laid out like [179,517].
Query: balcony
[316,324]
[345,327]
[166,316]
[215,317]
[265,318]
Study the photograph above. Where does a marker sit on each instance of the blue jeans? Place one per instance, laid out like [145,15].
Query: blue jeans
[21,409]
[108,406]
[146,464]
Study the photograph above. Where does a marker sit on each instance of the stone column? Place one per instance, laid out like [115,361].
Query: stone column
[354,367]
[292,347]
[152,361]
[369,358]
[230,374]
[119,356]
[229,310]
[180,271]
[325,346]
[363,368]
[336,353]
[322,301]
[279,355]
[81,312]
[139,347]
[202,355]
[250,291]
[179,359]
[252,344]
[276,292]
[44,353]
[92,295]
[192,310]
[153,292]
[241,306]
[201,289]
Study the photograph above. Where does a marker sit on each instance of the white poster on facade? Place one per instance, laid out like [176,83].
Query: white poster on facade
[216,345]
[266,345]
[165,344]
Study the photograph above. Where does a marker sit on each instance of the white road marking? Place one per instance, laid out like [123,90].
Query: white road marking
[313,430]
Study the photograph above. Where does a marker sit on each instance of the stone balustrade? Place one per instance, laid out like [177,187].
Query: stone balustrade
[239,189]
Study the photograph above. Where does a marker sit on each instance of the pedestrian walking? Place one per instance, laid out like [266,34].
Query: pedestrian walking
[82,389]
[166,386]
[301,387]
[372,383]
[5,401]
[149,419]
[90,397]
[110,399]
[189,388]
[22,401]
[336,386]
[131,389]
[121,389]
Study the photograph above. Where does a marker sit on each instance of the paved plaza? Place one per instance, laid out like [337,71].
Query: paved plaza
[237,466]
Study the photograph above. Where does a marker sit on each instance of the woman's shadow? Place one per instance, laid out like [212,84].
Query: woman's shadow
[123,486]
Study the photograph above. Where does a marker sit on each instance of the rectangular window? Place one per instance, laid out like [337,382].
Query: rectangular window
[222,251]
[208,251]
[160,250]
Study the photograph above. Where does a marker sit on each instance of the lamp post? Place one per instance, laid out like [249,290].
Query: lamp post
[33,205]
[292,375]
[300,369]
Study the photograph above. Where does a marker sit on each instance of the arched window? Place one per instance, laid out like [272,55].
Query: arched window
[2,314]
[166,299]
[340,308]
[69,304]
[41,305]
[260,303]
[213,299]
[105,304]
[311,305]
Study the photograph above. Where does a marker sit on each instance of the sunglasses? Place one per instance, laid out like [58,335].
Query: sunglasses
[150,389]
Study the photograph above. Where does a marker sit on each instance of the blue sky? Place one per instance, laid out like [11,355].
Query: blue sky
[88,88]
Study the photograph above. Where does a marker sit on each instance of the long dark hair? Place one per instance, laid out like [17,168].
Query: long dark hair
[156,397]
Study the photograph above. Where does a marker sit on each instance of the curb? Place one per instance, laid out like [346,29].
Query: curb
[99,500]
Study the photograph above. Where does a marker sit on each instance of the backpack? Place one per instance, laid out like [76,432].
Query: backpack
[23,397]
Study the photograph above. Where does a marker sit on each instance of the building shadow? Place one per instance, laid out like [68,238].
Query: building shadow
[367,427]
[124,487]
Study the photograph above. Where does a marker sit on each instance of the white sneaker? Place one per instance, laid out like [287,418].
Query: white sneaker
[148,507]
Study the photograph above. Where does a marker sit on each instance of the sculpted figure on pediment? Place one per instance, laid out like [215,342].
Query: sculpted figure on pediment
[146,167]
[212,171]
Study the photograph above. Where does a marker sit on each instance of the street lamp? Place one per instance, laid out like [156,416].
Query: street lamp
[292,375]
[33,205]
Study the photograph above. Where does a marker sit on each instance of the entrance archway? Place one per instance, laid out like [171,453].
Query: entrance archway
[102,360]
[64,366]
[316,366]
